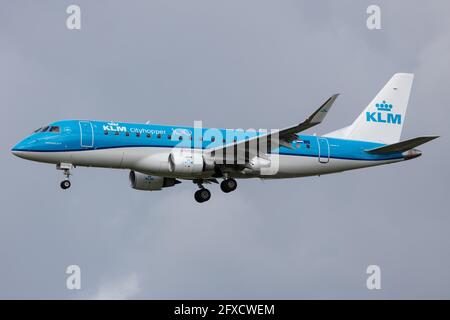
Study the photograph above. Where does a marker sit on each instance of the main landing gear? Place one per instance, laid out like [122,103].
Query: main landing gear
[65,184]
[228,185]
[203,194]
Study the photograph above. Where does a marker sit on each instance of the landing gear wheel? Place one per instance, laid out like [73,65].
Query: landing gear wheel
[65,184]
[202,195]
[65,167]
[228,185]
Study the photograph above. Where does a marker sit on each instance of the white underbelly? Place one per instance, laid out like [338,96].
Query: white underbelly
[154,160]
[302,166]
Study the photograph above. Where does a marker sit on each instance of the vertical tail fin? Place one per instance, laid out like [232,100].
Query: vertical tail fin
[382,120]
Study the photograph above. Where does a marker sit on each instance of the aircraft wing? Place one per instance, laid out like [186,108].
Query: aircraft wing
[249,147]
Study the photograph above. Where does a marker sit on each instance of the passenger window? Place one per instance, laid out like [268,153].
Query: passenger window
[116,133]
[180,138]
[106,132]
[149,135]
[213,139]
[169,137]
[158,135]
[138,134]
[127,134]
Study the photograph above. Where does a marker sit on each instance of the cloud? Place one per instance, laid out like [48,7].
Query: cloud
[119,289]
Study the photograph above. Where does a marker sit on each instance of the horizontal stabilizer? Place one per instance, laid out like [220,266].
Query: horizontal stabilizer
[401,146]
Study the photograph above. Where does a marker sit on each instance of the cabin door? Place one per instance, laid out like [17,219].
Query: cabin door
[324,150]
[86,134]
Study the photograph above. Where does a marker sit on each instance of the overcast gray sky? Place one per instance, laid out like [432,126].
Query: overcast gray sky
[252,63]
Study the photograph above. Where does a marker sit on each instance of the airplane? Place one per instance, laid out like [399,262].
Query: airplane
[160,156]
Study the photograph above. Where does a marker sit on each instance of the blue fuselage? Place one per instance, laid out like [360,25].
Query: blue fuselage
[79,135]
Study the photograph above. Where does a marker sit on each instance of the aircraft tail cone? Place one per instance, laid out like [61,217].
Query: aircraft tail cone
[411,154]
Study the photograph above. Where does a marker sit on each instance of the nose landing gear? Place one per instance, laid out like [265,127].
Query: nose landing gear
[65,184]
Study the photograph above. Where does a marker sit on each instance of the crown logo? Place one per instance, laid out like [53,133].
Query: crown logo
[384,106]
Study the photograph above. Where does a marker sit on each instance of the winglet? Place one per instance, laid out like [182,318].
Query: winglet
[289,134]
[320,114]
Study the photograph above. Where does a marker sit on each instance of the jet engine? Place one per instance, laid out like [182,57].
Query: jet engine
[141,181]
[188,162]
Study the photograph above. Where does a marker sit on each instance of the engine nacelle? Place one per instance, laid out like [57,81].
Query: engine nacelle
[188,162]
[141,181]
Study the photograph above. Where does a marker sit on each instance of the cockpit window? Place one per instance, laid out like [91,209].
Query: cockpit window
[41,129]
[48,128]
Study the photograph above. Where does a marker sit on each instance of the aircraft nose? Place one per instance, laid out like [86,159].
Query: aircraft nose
[21,148]
[17,149]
